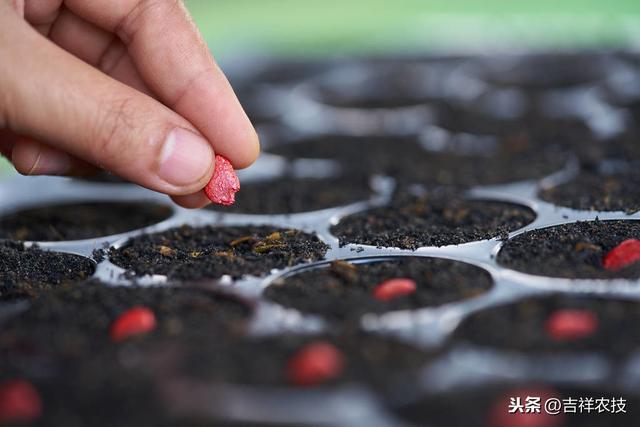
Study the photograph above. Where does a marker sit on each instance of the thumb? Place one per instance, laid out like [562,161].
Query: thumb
[48,94]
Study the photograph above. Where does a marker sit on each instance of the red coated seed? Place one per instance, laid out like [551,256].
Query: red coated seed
[314,364]
[224,184]
[135,321]
[623,255]
[499,415]
[19,402]
[394,288]
[569,325]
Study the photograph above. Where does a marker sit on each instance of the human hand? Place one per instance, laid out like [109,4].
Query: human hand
[124,85]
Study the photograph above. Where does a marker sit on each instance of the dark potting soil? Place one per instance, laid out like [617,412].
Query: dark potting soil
[574,251]
[412,222]
[27,272]
[368,358]
[294,195]
[61,344]
[396,87]
[598,191]
[521,326]
[531,135]
[626,147]
[344,291]
[80,221]
[407,161]
[548,71]
[210,252]
[488,406]
[73,321]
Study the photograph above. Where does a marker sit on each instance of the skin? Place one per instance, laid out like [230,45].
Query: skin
[124,85]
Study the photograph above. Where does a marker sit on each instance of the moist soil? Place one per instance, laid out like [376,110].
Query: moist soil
[521,326]
[26,273]
[560,71]
[80,221]
[595,191]
[61,345]
[411,222]
[295,195]
[574,251]
[396,87]
[488,405]
[626,147]
[407,161]
[533,135]
[368,358]
[186,252]
[344,291]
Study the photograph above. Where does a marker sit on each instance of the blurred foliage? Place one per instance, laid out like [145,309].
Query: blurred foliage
[297,27]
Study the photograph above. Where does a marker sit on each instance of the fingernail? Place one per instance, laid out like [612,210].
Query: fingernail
[52,162]
[38,159]
[185,158]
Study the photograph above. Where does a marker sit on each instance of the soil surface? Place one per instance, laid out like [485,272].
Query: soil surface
[368,358]
[26,273]
[405,159]
[80,221]
[210,252]
[295,195]
[522,326]
[573,250]
[344,291]
[598,192]
[560,71]
[61,345]
[413,222]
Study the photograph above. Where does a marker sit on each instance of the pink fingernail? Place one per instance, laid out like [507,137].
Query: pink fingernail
[185,158]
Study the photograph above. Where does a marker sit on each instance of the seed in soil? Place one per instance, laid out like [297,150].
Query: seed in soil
[344,291]
[314,364]
[623,255]
[59,343]
[575,251]
[569,325]
[414,221]
[187,252]
[80,221]
[394,288]
[135,321]
[73,322]
[556,324]
[300,360]
[26,273]
[19,402]
[224,183]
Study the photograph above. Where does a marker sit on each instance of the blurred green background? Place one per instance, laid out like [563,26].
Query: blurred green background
[297,27]
[237,28]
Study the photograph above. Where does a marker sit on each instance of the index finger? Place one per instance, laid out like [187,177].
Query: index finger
[176,64]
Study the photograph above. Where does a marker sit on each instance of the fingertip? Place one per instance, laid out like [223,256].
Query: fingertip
[192,201]
[249,153]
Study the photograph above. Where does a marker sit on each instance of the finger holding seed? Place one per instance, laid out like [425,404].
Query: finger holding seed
[126,86]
